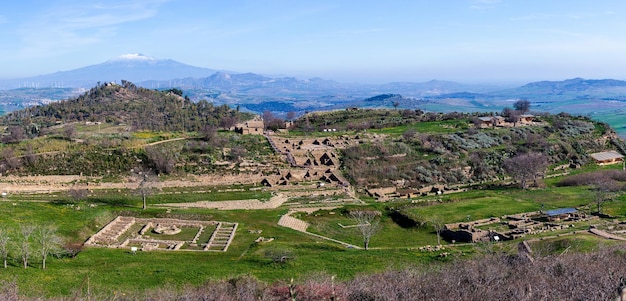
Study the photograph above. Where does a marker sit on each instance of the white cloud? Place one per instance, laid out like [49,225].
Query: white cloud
[63,29]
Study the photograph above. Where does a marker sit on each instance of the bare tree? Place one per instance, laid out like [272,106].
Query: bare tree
[291,115]
[511,115]
[30,156]
[208,132]
[367,223]
[4,246]
[526,167]
[147,185]
[605,189]
[69,131]
[268,117]
[9,160]
[227,122]
[438,225]
[48,242]
[23,244]
[16,134]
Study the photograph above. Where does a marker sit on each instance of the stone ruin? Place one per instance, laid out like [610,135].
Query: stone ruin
[119,233]
[166,229]
[518,225]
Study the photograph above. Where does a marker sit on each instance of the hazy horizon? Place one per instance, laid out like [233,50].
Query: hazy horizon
[466,41]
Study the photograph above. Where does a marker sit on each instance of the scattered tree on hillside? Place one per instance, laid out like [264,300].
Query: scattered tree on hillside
[367,223]
[48,242]
[522,105]
[4,246]
[525,167]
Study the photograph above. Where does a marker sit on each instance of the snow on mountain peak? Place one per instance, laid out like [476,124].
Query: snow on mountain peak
[133,57]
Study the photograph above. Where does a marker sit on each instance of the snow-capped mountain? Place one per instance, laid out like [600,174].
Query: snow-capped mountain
[134,67]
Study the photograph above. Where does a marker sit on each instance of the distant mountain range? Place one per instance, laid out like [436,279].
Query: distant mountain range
[132,67]
[599,98]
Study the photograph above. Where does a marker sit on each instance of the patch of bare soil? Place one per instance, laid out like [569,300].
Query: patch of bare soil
[253,204]
[49,184]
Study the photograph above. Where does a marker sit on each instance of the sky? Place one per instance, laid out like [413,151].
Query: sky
[469,41]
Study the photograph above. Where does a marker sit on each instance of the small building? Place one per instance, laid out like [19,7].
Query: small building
[490,121]
[250,127]
[526,118]
[606,158]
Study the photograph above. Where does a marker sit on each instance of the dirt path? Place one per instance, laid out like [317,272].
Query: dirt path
[164,141]
[606,235]
[49,184]
[253,204]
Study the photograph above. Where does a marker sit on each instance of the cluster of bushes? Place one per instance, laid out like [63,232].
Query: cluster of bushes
[363,119]
[611,180]
[438,158]
[467,141]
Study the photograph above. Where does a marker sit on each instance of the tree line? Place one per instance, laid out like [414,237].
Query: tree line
[30,241]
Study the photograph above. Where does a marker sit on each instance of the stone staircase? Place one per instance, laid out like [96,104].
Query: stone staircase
[221,237]
[293,223]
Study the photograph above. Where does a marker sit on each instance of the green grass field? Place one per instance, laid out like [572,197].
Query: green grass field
[118,271]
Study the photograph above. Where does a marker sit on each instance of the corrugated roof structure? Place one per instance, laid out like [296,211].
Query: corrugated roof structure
[606,156]
[560,211]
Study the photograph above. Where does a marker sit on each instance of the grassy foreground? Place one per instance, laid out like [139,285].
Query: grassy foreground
[118,271]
